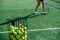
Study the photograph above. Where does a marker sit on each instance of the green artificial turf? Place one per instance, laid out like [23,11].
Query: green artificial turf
[10,9]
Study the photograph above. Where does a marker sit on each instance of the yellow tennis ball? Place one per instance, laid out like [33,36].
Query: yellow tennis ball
[17,36]
[23,37]
[26,36]
[25,28]
[22,30]
[18,31]
[11,28]
[25,32]
[14,38]
[15,33]
[15,28]
[19,39]
[11,36]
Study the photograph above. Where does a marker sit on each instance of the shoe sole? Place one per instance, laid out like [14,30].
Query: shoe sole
[44,14]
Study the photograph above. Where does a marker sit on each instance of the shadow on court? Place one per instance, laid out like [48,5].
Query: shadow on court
[17,19]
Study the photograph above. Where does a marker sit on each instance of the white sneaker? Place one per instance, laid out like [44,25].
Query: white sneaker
[44,12]
[35,12]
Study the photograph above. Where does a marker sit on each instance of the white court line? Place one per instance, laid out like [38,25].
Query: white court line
[45,29]
[5,32]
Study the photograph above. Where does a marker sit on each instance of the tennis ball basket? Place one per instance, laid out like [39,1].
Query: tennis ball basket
[16,29]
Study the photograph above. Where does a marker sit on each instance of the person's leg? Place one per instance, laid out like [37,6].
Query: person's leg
[38,4]
[42,5]
[43,8]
